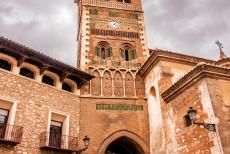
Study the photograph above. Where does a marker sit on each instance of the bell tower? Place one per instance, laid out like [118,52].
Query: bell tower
[111,34]
[112,46]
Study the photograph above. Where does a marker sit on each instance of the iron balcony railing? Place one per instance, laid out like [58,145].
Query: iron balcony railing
[10,134]
[58,142]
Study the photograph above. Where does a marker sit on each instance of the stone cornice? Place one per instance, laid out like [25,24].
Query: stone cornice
[199,72]
[158,55]
[222,61]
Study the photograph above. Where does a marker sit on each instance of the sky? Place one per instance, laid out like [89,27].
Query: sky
[185,26]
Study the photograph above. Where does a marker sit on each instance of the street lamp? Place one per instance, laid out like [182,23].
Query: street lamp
[86,140]
[192,116]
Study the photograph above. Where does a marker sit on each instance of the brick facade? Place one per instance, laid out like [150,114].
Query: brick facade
[103,125]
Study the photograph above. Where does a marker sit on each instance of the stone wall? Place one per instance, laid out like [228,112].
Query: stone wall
[161,77]
[34,101]
[194,138]
[219,93]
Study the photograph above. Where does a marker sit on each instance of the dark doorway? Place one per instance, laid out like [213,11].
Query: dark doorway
[55,134]
[124,145]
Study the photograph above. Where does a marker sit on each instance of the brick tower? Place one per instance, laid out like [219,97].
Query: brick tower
[112,47]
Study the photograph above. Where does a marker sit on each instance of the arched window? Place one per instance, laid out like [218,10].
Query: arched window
[152,92]
[67,87]
[27,73]
[128,52]
[48,80]
[5,65]
[103,50]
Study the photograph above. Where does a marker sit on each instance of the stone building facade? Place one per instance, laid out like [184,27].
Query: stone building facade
[129,99]
[176,83]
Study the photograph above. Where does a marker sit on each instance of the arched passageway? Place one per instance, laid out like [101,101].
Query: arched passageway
[124,145]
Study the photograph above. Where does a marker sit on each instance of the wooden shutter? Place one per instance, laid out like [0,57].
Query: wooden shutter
[97,51]
[122,53]
[109,52]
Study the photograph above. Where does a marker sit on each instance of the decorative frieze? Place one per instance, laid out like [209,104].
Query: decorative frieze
[109,4]
[123,107]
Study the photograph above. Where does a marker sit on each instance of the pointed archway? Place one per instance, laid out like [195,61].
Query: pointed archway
[128,143]
[124,145]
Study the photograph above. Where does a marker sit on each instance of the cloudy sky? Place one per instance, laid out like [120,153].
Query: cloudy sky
[185,26]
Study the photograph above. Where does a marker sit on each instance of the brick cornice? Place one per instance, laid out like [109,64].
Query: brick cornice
[201,71]
[158,55]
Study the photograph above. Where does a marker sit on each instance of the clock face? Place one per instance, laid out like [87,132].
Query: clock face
[114,24]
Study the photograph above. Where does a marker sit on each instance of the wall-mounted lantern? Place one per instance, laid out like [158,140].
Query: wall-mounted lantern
[86,140]
[191,115]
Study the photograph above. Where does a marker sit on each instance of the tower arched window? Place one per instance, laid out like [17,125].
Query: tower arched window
[128,52]
[103,50]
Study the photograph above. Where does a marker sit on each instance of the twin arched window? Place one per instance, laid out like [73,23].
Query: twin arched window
[103,50]
[127,52]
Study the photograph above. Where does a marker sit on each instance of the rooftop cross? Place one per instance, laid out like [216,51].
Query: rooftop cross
[220,45]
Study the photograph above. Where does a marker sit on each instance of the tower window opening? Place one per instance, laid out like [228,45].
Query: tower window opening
[126,55]
[102,53]
[5,65]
